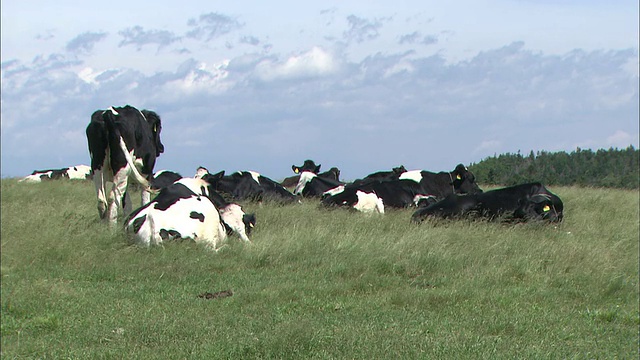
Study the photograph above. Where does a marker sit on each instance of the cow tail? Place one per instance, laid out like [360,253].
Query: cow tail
[114,130]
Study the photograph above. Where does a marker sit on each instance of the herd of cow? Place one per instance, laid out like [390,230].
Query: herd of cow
[124,143]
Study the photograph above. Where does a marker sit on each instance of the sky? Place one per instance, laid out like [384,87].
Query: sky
[363,86]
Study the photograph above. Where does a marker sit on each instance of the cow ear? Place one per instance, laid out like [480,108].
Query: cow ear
[295,169]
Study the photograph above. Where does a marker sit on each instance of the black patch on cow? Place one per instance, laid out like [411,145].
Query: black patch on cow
[138,222]
[169,234]
[197,215]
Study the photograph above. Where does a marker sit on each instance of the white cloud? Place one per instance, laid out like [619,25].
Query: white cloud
[313,63]
[620,139]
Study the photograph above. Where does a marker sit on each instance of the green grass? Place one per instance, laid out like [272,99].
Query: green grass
[321,284]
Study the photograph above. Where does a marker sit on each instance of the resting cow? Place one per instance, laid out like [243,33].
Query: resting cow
[524,202]
[314,185]
[78,172]
[189,209]
[123,142]
[250,185]
[411,188]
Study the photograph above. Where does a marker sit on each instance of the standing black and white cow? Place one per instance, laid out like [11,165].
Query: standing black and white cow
[189,209]
[78,172]
[530,201]
[250,185]
[123,142]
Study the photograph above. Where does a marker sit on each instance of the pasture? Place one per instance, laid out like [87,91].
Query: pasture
[320,284]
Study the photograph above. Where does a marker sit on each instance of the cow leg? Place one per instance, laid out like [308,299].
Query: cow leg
[100,184]
[146,197]
[126,203]
[117,193]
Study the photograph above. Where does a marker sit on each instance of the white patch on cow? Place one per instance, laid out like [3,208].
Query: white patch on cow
[368,203]
[334,191]
[255,176]
[201,172]
[305,178]
[178,218]
[113,111]
[414,175]
[37,177]
[232,215]
[417,198]
[197,185]
[79,172]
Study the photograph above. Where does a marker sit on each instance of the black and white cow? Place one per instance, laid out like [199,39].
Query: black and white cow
[189,209]
[123,142]
[78,172]
[308,165]
[531,201]
[314,185]
[250,185]
[410,188]
[233,216]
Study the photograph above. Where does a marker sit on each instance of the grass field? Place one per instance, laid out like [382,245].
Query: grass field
[321,284]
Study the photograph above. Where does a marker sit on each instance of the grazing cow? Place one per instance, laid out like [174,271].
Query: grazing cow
[312,185]
[123,142]
[189,208]
[523,202]
[250,185]
[411,188]
[78,172]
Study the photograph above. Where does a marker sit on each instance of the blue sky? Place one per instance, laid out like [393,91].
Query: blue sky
[361,86]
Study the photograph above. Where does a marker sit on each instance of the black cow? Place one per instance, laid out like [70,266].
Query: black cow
[250,185]
[123,142]
[411,188]
[312,185]
[524,202]
[383,175]
[163,178]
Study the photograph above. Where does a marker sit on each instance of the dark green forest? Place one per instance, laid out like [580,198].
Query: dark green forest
[615,168]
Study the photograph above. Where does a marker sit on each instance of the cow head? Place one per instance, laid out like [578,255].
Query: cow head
[308,165]
[399,170]
[541,207]
[463,181]
[249,221]
[156,126]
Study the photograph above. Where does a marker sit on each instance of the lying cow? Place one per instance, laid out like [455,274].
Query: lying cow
[314,185]
[530,201]
[187,209]
[383,175]
[233,217]
[78,172]
[308,165]
[250,185]
[410,188]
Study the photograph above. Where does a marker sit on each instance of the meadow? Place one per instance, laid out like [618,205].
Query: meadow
[320,284]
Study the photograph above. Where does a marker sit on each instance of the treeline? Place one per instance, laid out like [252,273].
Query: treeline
[615,168]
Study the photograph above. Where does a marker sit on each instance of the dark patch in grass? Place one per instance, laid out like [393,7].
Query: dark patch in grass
[216,295]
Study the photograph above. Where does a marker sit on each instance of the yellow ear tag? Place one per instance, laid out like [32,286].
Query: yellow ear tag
[296,170]
[458,177]
[546,208]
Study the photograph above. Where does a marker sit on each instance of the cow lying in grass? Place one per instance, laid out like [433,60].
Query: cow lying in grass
[189,209]
[522,202]
[78,172]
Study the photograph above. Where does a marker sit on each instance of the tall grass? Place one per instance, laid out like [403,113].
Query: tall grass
[318,283]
